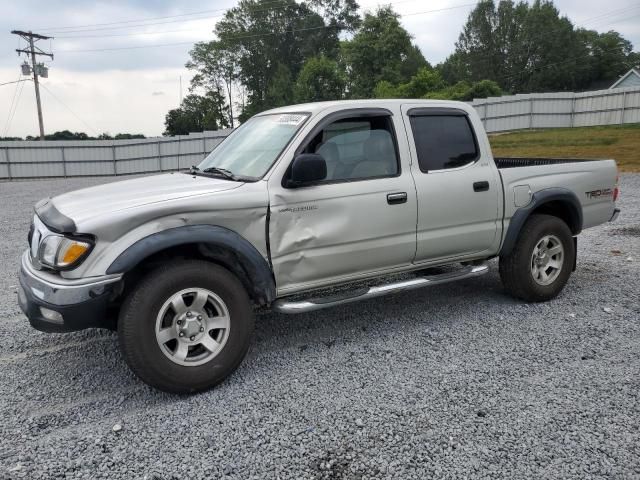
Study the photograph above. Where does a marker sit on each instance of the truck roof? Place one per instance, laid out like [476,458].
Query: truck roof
[316,107]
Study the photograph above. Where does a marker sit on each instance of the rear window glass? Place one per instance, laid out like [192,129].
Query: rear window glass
[443,141]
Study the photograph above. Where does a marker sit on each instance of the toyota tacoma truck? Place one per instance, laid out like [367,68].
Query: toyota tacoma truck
[295,202]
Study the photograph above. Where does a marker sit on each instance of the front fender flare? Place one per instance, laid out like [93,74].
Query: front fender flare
[258,277]
[537,200]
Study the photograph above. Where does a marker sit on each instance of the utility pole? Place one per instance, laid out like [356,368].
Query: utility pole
[38,70]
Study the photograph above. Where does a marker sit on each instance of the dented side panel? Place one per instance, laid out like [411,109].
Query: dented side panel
[328,232]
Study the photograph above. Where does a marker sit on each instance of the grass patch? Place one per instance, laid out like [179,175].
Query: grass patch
[620,142]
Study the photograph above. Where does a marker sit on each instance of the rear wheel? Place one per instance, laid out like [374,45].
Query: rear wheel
[186,326]
[540,263]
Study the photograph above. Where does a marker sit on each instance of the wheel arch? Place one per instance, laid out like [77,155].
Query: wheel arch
[216,244]
[558,202]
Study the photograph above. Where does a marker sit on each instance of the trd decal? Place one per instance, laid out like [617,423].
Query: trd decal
[605,192]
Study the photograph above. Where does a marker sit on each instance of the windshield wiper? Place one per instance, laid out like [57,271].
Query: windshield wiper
[216,171]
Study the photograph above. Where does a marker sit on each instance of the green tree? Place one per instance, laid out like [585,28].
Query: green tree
[270,43]
[424,81]
[320,79]
[609,54]
[67,135]
[428,83]
[217,69]
[531,48]
[454,69]
[196,114]
[381,50]
[119,136]
[128,136]
[465,91]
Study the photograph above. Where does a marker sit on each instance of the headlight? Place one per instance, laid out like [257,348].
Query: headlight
[59,252]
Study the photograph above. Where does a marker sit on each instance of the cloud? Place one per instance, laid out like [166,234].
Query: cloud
[94,102]
[109,89]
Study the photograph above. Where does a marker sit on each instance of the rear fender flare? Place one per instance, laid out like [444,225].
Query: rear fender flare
[539,199]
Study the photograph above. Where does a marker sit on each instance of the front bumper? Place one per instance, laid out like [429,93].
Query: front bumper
[55,304]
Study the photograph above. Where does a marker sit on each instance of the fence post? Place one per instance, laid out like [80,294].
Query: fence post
[179,152]
[204,145]
[573,110]
[64,162]
[531,113]
[159,157]
[624,101]
[8,165]
[113,154]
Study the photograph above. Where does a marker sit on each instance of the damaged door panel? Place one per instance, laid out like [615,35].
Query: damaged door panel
[331,231]
[360,219]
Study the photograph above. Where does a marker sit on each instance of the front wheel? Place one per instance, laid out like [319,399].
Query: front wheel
[540,263]
[186,326]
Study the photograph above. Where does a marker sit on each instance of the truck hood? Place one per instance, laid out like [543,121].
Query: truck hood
[81,205]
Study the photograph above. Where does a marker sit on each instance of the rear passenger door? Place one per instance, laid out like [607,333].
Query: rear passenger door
[458,187]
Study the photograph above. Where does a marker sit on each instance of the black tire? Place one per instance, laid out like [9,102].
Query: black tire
[515,268]
[137,324]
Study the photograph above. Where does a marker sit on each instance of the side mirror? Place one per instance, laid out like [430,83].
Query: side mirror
[307,168]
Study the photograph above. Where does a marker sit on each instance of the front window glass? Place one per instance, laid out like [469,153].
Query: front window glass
[357,148]
[252,148]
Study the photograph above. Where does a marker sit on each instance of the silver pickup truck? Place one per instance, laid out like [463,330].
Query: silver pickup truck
[296,201]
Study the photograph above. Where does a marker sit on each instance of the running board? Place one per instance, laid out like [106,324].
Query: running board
[309,305]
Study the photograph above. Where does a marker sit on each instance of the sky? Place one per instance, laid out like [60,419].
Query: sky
[98,83]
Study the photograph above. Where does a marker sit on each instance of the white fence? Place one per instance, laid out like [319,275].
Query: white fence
[563,109]
[79,158]
[35,159]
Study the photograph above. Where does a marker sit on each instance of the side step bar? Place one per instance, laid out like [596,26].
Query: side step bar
[309,305]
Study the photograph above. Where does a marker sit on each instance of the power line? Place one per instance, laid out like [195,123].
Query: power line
[201,12]
[13,99]
[125,34]
[269,9]
[618,11]
[239,37]
[16,81]
[144,22]
[13,109]
[69,109]
[133,47]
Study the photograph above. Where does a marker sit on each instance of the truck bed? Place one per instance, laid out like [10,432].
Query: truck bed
[580,176]
[511,162]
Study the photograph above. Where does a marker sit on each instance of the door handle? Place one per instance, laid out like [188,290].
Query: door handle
[480,186]
[396,198]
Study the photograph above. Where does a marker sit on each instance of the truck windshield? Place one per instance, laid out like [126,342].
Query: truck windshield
[251,149]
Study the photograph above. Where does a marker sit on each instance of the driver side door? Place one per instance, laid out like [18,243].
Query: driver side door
[360,220]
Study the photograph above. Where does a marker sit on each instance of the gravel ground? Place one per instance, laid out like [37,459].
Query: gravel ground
[451,382]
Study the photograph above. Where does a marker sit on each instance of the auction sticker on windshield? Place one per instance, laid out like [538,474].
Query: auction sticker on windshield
[290,119]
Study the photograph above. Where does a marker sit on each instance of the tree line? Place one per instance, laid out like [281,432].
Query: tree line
[268,54]
[69,135]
